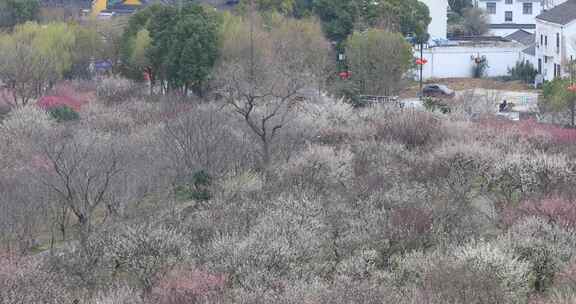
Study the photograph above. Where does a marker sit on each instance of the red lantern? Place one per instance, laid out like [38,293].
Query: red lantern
[344,75]
[421,61]
[572,88]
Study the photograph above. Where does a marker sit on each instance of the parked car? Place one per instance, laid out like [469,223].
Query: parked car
[438,91]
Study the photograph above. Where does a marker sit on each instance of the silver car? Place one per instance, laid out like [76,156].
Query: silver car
[437,90]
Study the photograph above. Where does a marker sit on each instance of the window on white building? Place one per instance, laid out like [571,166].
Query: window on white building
[491,8]
[527,8]
[509,1]
[557,71]
[508,16]
[539,65]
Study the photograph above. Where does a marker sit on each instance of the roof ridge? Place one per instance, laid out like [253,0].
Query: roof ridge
[561,14]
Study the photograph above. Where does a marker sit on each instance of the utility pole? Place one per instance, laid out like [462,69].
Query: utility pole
[252,77]
[421,62]
[571,96]
[572,101]
[421,66]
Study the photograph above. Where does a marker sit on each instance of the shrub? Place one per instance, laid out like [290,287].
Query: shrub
[20,133]
[184,285]
[27,121]
[325,113]
[479,67]
[411,128]
[522,176]
[116,89]
[459,169]
[556,298]
[245,183]
[411,229]
[283,244]
[49,102]
[108,119]
[23,280]
[557,211]
[524,71]
[557,134]
[197,189]
[433,104]
[351,291]
[563,290]
[320,167]
[146,252]
[475,273]
[63,113]
[379,165]
[359,266]
[546,246]
[347,90]
[119,295]
[567,277]
[411,220]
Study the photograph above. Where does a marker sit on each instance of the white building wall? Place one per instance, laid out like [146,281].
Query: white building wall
[529,58]
[457,62]
[517,9]
[438,27]
[548,55]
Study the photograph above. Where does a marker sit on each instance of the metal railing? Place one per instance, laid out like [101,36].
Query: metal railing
[374,100]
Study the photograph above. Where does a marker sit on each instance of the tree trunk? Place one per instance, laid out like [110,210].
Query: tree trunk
[421,69]
[84,223]
[265,156]
[63,230]
[151,80]
[63,223]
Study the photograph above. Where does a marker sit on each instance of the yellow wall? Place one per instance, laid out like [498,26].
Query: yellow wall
[98,6]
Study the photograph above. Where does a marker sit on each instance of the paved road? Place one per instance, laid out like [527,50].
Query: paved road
[523,101]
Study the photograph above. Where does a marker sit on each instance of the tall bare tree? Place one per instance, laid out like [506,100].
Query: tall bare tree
[264,68]
[81,172]
[198,140]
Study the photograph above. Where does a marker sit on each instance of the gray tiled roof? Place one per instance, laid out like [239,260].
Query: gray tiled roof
[561,14]
[513,26]
[531,50]
[522,36]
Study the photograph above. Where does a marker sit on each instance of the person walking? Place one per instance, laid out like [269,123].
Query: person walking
[503,106]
